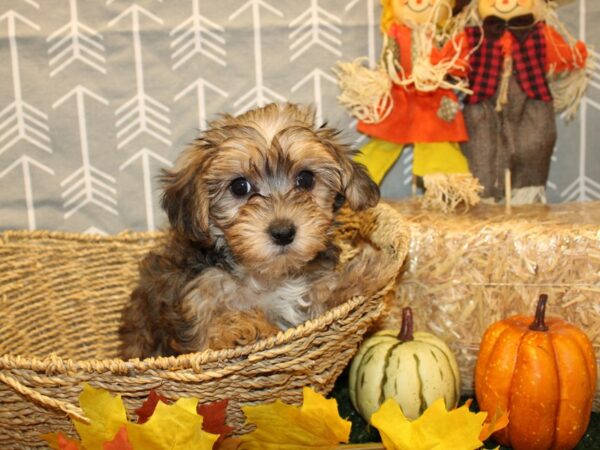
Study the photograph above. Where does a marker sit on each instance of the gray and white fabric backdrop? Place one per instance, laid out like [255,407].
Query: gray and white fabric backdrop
[97,95]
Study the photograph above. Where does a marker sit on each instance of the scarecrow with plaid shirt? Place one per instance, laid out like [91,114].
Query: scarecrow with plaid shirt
[510,116]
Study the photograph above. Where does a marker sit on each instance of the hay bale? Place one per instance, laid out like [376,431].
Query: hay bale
[467,271]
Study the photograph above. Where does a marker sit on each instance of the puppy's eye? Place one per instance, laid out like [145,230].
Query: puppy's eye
[240,187]
[305,180]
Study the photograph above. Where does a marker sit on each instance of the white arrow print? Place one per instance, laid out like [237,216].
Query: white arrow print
[407,162]
[315,27]
[593,72]
[144,155]
[372,28]
[200,86]
[260,95]
[95,231]
[317,75]
[32,3]
[87,184]
[583,187]
[75,41]
[142,113]
[361,137]
[19,120]
[198,34]
[108,2]
[26,162]
[554,159]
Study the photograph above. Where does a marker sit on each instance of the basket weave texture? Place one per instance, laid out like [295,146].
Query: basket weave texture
[61,297]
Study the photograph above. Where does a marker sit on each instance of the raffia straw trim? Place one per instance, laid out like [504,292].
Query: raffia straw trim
[469,16]
[61,295]
[507,68]
[365,92]
[568,88]
[449,192]
[426,76]
[528,195]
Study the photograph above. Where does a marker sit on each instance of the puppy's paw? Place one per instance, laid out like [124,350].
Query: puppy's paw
[237,328]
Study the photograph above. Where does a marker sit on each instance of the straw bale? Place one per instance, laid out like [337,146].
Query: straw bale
[466,271]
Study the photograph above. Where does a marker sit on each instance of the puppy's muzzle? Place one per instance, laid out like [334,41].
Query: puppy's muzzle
[282,231]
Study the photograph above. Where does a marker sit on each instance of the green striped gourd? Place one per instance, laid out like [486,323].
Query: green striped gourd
[413,368]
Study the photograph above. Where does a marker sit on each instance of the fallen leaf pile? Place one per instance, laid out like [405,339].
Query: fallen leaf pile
[436,429]
[161,425]
[316,424]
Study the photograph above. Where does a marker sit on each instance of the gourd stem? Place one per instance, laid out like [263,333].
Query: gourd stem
[540,314]
[406,331]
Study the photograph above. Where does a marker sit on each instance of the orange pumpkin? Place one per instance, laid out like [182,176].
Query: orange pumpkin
[543,372]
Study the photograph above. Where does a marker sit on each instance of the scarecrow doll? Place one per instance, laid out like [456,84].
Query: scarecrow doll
[416,101]
[510,115]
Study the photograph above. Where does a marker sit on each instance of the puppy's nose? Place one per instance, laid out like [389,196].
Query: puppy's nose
[282,231]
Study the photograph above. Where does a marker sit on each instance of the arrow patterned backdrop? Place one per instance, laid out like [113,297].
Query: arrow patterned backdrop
[98,96]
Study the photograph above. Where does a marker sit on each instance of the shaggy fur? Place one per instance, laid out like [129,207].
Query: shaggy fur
[236,268]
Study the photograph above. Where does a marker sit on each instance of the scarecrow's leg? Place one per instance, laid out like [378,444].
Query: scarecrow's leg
[481,149]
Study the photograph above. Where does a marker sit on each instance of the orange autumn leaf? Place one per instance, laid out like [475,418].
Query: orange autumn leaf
[314,425]
[58,441]
[120,441]
[64,443]
[230,443]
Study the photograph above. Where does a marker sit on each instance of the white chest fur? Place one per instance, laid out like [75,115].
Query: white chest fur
[286,304]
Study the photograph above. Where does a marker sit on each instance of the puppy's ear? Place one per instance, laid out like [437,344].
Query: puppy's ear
[361,191]
[185,198]
[358,188]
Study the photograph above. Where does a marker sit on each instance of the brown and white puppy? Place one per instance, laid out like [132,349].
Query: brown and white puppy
[252,207]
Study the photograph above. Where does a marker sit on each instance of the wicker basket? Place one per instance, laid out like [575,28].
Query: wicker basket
[61,297]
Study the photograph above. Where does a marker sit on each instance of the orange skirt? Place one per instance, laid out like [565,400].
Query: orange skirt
[420,117]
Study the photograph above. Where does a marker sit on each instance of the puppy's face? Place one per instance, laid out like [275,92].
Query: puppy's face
[266,185]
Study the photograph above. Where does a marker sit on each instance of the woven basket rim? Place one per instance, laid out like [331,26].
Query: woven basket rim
[54,364]
[8,237]
[261,349]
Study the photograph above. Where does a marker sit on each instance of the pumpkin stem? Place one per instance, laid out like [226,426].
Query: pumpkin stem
[406,330]
[540,314]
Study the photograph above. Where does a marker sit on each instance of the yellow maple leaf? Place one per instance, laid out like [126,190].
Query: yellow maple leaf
[314,425]
[106,413]
[435,429]
[494,423]
[173,427]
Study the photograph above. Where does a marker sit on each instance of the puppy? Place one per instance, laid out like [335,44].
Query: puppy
[249,252]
